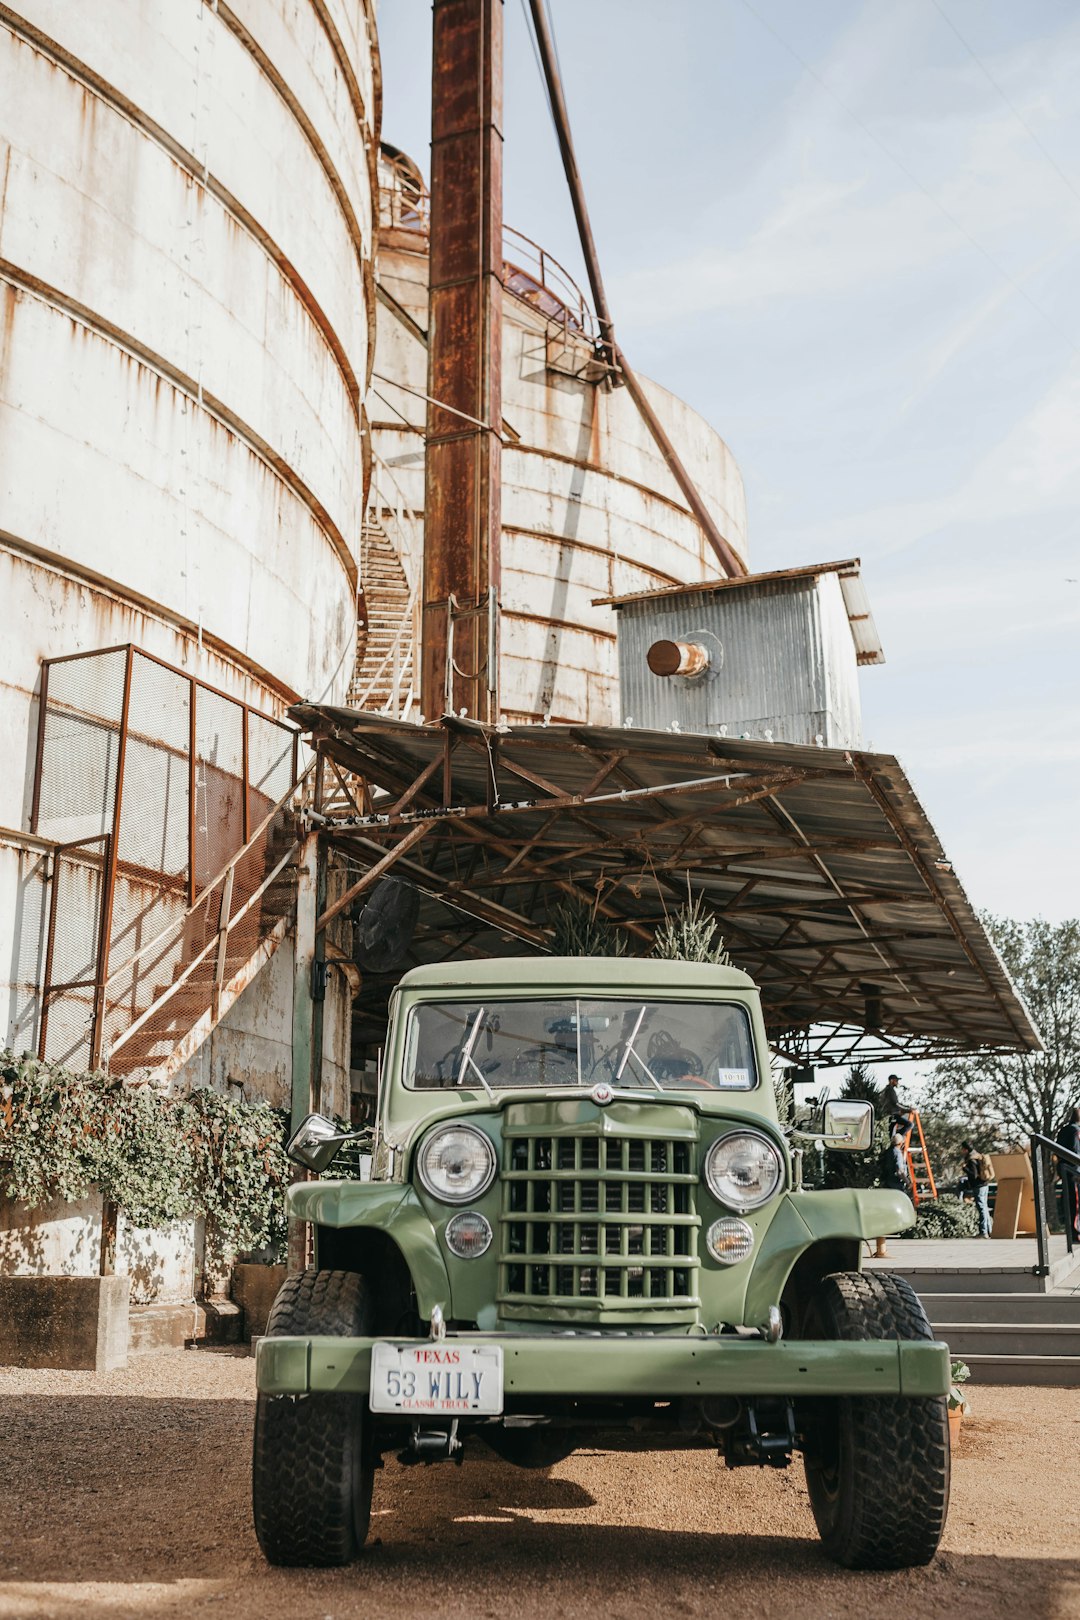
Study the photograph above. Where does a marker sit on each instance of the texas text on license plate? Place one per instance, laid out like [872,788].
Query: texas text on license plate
[436,1377]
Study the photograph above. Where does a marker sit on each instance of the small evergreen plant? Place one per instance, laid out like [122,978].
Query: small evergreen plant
[581,931]
[691,934]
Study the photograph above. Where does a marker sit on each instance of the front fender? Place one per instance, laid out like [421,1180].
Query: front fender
[382,1206]
[806,1218]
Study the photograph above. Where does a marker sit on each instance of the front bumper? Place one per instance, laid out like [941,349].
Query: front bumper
[656,1367]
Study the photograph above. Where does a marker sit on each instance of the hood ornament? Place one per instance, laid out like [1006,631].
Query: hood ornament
[602,1093]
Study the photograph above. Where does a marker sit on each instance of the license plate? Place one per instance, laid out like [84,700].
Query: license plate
[436,1377]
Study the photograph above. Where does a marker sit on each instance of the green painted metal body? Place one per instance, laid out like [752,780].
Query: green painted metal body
[660,1368]
[668,1342]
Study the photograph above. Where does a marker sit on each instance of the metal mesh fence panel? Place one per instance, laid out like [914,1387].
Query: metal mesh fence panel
[154,815]
[219,783]
[31,919]
[78,894]
[270,764]
[80,746]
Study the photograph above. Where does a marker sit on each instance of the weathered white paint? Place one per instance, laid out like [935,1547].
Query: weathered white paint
[589,507]
[185,307]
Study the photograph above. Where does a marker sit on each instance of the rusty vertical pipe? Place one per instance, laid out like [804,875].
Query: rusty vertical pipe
[463,469]
[729,561]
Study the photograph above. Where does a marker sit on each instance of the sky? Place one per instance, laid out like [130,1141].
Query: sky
[849,235]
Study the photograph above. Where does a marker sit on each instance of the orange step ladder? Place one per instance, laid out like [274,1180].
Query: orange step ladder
[918,1161]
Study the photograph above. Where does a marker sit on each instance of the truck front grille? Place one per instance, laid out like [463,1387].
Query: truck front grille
[598,1221]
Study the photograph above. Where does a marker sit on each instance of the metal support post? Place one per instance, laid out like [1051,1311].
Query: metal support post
[1042,1241]
[463,465]
[303,1018]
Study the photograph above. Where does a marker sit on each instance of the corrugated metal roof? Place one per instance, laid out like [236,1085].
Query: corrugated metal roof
[830,883]
[868,648]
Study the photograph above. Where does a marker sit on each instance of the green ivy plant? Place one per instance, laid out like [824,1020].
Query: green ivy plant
[157,1158]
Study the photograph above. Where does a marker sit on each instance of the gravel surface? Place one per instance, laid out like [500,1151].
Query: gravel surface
[127,1495]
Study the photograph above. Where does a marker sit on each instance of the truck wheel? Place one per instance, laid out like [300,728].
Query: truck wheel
[313,1463]
[877,1467]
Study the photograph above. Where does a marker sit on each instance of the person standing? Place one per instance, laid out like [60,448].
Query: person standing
[1069,1138]
[896,1112]
[978,1174]
[893,1172]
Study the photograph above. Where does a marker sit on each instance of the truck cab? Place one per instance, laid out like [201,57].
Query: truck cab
[585,1225]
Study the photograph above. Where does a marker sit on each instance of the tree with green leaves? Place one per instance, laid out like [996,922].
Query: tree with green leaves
[1023,1091]
[861,1087]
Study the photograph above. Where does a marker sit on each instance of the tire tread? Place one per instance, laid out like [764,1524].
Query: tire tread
[899,1447]
[311,1478]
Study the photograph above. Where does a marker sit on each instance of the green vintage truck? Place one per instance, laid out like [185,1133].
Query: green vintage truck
[585,1226]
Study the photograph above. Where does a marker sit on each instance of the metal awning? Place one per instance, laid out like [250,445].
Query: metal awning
[829,881]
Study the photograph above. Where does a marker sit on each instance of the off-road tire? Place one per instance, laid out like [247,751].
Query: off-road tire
[313,1463]
[877,1467]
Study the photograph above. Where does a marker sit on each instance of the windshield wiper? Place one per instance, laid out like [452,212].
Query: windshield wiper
[631,1051]
[467,1059]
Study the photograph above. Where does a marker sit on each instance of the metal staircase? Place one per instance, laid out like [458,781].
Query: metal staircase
[211,953]
[167,809]
[386,676]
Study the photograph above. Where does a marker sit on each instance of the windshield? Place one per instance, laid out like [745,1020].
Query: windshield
[569,1041]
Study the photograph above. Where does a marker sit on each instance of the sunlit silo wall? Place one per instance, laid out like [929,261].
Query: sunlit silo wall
[589,507]
[186,315]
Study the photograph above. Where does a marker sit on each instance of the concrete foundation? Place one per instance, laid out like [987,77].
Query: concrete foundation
[76,1323]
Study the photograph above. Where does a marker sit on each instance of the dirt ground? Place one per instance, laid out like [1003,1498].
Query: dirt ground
[127,1495]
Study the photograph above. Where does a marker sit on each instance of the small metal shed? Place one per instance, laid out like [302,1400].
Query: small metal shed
[771,657]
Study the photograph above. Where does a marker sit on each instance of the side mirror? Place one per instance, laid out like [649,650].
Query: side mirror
[848,1125]
[316,1143]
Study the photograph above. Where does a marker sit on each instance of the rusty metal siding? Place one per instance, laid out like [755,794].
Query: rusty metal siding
[783,665]
[588,506]
[186,324]
[187,237]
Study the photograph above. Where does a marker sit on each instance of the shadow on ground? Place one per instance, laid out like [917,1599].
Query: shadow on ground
[104,1494]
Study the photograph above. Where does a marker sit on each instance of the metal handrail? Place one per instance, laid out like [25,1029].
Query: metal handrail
[392,658]
[212,945]
[392,654]
[208,888]
[1038,1144]
[408,210]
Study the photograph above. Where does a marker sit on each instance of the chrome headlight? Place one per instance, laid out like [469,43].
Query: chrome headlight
[456,1163]
[743,1170]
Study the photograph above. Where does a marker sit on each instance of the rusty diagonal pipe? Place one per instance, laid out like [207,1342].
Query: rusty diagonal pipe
[731,563]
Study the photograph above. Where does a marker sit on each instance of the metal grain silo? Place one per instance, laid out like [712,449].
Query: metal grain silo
[186,318]
[589,508]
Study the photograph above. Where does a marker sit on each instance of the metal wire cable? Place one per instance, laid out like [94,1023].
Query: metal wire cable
[902,166]
[1017,114]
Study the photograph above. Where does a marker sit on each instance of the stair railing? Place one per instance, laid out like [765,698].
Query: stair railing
[399,658]
[228,920]
[1039,1146]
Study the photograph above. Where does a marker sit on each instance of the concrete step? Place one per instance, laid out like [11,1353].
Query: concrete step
[1027,1339]
[988,1279]
[1056,1372]
[1014,1307]
[170,1327]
